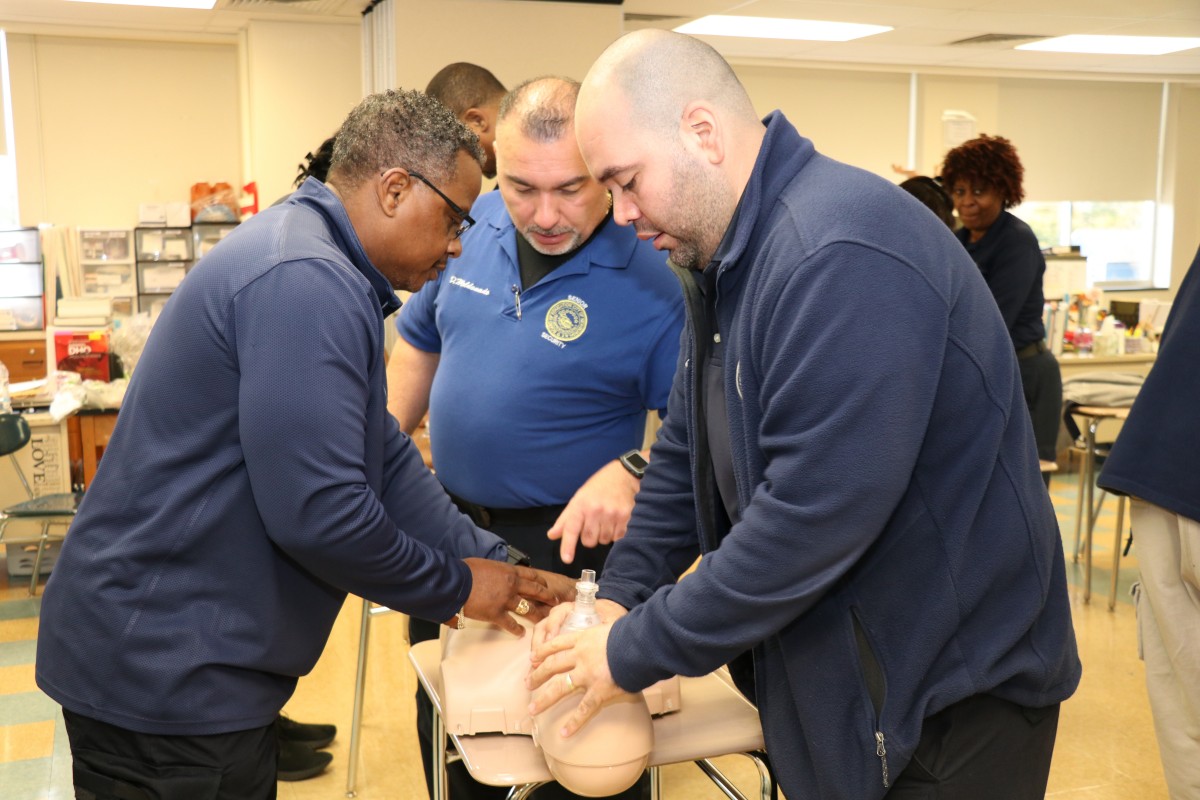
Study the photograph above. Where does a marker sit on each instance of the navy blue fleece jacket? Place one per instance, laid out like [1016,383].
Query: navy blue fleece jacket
[894,522]
[254,477]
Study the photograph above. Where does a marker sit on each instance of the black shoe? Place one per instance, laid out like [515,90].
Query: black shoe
[314,736]
[298,762]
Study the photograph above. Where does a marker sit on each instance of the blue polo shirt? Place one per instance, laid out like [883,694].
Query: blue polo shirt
[537,389]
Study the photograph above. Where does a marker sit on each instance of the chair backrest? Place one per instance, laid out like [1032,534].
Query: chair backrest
[15,434]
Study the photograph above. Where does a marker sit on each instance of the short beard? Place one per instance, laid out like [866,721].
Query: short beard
[703,204]
[567,246]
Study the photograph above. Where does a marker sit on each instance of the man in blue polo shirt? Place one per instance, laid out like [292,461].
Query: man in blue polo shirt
[539,351]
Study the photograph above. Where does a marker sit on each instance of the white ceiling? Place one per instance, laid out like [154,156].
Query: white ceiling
[924,29]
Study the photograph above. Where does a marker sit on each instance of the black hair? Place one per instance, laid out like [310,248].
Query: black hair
[930,192]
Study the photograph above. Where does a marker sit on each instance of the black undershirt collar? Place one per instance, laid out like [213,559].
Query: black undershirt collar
[535,266]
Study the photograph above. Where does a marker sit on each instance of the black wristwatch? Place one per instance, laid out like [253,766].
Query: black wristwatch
[635,463]
[519,558]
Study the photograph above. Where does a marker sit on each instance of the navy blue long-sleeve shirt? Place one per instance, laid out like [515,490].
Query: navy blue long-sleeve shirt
[1013,266]
[1154,458]
[254,478]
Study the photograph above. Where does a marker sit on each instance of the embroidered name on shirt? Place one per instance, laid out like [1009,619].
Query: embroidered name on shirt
[457,281]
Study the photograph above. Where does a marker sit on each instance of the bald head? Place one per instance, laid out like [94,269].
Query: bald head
[663,121]
[659,73]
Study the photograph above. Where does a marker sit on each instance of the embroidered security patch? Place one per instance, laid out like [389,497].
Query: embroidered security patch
[566,320]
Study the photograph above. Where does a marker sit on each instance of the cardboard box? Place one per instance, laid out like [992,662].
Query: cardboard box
[85,352]
[46,463]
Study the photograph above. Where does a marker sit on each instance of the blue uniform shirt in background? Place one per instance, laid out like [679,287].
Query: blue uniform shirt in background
[526,406]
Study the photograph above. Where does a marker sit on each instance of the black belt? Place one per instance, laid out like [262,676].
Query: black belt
[1031,350]
[486,517]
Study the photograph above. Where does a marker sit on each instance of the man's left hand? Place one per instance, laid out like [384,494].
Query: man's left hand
[583,656]
[598,513]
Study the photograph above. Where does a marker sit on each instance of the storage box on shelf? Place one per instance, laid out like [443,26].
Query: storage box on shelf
[164,256]
[22,286]
[207,235]
[106,261]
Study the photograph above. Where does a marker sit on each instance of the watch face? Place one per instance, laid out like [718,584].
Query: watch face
[635,463]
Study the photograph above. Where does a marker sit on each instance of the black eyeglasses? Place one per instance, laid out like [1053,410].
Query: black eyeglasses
[466,219]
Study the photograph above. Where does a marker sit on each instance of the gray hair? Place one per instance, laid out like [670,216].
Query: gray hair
[399,128]
[542,108]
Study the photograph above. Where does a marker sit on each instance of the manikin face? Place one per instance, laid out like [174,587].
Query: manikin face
[423,234]
[553,201]
[657,185]
[978,206]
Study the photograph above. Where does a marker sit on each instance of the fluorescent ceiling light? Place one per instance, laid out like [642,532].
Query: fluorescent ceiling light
[204,5]
[1113,45]
[775,28]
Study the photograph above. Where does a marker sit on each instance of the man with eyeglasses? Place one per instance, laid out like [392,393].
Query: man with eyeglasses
[537,354]
[255,477]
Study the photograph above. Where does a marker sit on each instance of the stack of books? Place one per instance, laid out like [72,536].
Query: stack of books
[84,312]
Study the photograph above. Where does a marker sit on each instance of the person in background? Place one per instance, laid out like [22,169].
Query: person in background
[473,94]
[930,192]
[315,164]
[1154,462]
[984,176]
[880,560]
[255,477]
[537,354]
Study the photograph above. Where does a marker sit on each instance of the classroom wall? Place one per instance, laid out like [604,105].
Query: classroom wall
[857,117]
[302,79]
[515,40]
[101,125]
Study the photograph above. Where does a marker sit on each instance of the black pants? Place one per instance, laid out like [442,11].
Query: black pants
[982,748]
[112,763]
[1042,384]
[543,553]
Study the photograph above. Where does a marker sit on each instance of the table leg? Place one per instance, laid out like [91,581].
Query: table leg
[655,784]
[364,634]
[1079,506]
[440,780]
[1089,479]
[1116,564]
[722,782]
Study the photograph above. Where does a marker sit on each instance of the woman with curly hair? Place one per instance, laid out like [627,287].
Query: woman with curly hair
[984,178]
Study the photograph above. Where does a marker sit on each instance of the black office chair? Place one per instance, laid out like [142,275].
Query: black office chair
[49,509]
